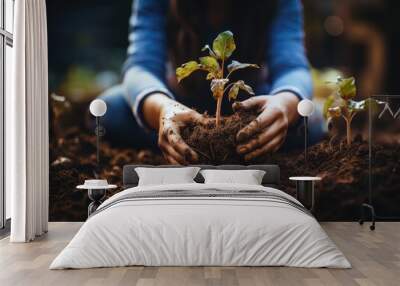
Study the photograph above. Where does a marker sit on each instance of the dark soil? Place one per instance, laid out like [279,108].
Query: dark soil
[345,178]
[217,145]
[344,170]
[72,157]
[72,160]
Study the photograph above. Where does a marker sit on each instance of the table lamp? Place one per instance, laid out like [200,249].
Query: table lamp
[98,108]
[305,108]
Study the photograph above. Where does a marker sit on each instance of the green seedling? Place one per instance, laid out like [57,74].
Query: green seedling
[341,104]
[214,64]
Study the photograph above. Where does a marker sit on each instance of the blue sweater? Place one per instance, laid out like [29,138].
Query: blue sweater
[145,68]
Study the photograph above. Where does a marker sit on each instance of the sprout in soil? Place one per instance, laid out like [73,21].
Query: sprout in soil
[222,48]
[341,103]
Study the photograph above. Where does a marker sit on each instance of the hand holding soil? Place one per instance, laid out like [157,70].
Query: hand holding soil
[173,117]
[259,125]
[267,132]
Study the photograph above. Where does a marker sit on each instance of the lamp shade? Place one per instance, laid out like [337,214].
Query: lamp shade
[305,107]
[98,107]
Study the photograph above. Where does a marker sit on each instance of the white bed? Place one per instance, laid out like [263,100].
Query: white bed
[270,229]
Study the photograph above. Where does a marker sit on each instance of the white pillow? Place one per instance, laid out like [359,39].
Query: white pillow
[248,177]
[165,176]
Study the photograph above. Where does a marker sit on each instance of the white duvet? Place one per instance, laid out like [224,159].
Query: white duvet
[200,231]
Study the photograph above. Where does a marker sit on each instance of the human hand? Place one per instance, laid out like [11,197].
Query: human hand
[268,131]
[173,117]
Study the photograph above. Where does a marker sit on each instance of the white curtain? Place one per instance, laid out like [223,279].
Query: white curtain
[27,124]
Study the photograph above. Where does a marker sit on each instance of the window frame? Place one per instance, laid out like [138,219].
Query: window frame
[6,39]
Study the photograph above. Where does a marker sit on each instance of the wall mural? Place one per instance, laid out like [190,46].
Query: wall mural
[384,140]
[352,132]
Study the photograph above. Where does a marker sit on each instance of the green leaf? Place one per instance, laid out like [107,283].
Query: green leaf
[224,45]
[217,87]
[356,106]
[245,87]
[210,75]
[234,90]
[211,65]
[334,112]
[211,52]
[328,104]
[346,88]
[373,104]
[235,65]
[186,69]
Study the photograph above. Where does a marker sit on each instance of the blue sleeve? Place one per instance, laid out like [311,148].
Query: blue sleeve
[145,68]
[286,60]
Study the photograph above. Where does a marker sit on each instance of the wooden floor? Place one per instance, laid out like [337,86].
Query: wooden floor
[375,257]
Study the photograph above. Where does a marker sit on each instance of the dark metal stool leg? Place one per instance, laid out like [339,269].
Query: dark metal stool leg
[373,216]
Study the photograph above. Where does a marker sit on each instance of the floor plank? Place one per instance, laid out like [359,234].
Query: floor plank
[375,257]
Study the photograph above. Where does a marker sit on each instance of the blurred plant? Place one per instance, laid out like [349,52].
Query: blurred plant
[80,85]
[222,48]
[320,77]
[59,108]
[341,103]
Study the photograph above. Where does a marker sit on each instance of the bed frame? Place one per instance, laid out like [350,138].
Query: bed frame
[271,177]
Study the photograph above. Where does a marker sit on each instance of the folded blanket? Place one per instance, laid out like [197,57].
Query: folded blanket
[206,194]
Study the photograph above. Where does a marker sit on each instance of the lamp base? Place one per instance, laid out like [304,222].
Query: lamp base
[373,216]
[96,196]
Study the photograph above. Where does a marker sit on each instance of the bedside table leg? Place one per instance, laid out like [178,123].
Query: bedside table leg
[96,196]
[93,207]
[305,193]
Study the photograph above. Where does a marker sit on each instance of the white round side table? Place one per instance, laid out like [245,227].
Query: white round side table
[97,190]
[305,190]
